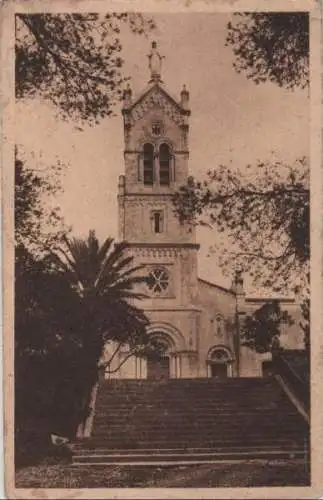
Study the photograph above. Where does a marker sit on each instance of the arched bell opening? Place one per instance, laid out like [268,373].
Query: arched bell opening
[164,165]
[148,164]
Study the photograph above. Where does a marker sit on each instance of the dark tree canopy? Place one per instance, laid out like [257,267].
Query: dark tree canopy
[74,60]
[263,213]
[305,324]
[271,46]
[67,307]
[261,330]
[39,227]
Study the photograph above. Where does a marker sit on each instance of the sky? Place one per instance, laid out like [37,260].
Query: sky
[233,121]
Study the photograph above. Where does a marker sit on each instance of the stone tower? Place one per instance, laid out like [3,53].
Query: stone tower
[156,156]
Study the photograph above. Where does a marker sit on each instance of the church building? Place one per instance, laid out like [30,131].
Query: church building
[196,321]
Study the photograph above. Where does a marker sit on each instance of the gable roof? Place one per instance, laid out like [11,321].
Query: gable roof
[214,285]
[161,88]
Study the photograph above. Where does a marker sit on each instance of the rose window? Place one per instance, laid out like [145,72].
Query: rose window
[158,280]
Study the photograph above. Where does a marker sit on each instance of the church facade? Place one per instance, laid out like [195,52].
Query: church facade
[196,321]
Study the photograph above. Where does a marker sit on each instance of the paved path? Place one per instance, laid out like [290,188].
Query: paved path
[246,474]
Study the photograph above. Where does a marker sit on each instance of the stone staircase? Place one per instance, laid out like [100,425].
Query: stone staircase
[200,421]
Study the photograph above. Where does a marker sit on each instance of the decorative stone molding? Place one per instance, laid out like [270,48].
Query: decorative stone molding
[156,99]
[169,330]
[161,251]
[220,354]
[160,281]
[149,204]
[156,253]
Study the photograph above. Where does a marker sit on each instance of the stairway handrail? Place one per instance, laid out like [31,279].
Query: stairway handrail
[292,369]
[291,377]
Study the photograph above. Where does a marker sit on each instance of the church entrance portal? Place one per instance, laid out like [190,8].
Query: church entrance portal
[218,362]
[158,368]
[158,364]
[219,370]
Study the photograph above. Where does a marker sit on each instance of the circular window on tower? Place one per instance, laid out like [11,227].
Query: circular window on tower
[158,280]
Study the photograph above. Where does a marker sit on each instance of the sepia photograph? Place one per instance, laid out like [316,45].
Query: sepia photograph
[161,206]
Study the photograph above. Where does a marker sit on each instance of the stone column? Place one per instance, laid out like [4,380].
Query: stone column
[178,366]
[172,366]
[156,169]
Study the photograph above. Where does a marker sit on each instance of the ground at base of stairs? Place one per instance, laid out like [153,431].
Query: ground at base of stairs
[289,473]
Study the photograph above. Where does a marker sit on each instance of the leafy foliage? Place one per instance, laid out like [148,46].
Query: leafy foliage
[306,314]
[271,46]
[38,226]
[261,330]
[67,307]
[44,306]
[263,213]
[103,279]
[74,60]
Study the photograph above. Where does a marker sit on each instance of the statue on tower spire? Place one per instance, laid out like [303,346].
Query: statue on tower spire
[155,64]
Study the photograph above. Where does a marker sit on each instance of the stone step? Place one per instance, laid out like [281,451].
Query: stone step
[208,412]
[186,431]
[180,385]
[231,418]
[159,441]
[99,458]
[172,438]
[201,398]
[83,449]
[186,425]
[187,442]
[205,402]
[217,428]
[233,392]
[198,392]
[206,418]
[213,407]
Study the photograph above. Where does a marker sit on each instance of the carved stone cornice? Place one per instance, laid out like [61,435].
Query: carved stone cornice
[160,250]
[176,152]
[155,253]
[194,246]
[149,202]
[158,99]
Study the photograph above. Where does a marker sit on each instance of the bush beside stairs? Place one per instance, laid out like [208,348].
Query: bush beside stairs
[192,421]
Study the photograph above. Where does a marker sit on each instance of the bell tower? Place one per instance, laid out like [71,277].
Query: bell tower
[156,161]
[156,154]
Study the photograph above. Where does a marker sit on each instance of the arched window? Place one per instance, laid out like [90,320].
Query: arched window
[148,164]
[157,220]
[164,165]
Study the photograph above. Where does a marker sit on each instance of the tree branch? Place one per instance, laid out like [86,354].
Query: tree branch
[122,362]
[261,256]
[107,363]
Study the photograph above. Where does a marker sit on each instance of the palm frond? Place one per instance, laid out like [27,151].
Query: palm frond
[117,253]
[105,248]
[130,278]
[108,273]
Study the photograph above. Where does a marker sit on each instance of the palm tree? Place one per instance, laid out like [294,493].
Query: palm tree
[104,280]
